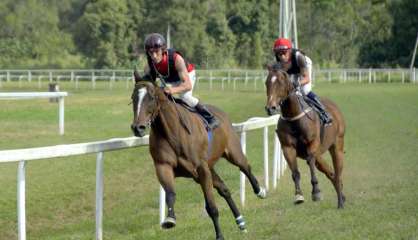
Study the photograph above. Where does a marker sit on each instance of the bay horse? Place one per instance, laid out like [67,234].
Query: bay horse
[302,135]
[180,147]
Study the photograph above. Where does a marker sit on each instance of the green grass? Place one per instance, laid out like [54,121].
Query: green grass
[380,171]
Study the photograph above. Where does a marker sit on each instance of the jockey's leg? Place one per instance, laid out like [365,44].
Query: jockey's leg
[314,100]
[188,98]
[213,122]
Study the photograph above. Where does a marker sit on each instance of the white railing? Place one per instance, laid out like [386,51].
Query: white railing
[219,78]
[24,155]
[31,95]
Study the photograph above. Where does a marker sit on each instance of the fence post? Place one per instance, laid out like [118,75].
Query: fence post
[242,175]
[61,114]
[8,76]
[29,76]
[72,76]
[21,201]
[99,196]
[329,76]
[93,80]
[276,164]
[50,76]
[266,157]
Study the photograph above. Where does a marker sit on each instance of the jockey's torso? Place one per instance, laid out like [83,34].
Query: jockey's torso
[166,69]
[296,63]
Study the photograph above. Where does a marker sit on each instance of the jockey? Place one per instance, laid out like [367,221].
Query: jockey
[299,67]
[177,75]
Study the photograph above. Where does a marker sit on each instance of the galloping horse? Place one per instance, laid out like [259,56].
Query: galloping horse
[301,134]
[180,147]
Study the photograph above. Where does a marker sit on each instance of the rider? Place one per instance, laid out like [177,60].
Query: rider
[299,67]
[178,76]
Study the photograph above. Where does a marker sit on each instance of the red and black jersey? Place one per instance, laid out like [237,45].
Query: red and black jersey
[166,69]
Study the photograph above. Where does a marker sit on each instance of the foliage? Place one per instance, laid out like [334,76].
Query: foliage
[210,33]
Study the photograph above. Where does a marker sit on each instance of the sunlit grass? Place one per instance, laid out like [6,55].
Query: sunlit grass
[380,171]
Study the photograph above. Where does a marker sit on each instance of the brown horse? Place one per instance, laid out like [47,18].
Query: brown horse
[180,147]
[301,134]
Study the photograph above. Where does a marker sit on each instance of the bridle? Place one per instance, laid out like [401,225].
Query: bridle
[294,91]
[154,97]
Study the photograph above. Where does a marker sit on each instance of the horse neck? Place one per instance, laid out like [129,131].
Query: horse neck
[167,123]
[292,106]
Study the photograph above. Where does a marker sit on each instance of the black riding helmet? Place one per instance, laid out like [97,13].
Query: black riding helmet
[154,40]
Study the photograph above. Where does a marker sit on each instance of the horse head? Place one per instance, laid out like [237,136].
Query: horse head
[145,106]
[278,86]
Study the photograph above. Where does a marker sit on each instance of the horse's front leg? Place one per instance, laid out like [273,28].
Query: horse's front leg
[316,192]
[290,155]
[165,175]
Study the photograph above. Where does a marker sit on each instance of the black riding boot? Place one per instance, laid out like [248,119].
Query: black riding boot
[208,116]
[314,100]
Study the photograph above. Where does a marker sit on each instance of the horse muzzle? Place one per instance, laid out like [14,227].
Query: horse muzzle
[138,130]
[272,110]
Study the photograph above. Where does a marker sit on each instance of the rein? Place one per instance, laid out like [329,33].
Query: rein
[300,115]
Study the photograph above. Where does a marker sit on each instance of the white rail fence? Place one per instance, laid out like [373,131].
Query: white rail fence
[23,155]
[31,95]
[217,78]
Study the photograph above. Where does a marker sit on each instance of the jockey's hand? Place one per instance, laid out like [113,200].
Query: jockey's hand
[168,90]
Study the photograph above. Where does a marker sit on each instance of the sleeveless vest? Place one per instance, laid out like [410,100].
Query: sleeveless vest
[172,76]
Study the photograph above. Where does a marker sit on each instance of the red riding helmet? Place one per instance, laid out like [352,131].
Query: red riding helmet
[282,44]
[154,40]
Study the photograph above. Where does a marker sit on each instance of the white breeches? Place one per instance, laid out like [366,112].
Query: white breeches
[187,97]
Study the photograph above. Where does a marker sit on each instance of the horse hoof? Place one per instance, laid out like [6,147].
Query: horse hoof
[262,194]
[220,238]
[299,199]
[169,222]
[316,197]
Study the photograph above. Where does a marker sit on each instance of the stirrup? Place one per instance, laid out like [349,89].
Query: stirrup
[214,123]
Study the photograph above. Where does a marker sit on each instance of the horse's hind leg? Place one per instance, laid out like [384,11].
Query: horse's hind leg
[235,156]
[205,180]
[337,154]
[165,176]
[226,194]
[290,156]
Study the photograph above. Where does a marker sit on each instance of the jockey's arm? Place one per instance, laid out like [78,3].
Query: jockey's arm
[186,83]
[304,72]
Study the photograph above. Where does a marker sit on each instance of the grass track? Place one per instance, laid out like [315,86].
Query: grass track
[380,174]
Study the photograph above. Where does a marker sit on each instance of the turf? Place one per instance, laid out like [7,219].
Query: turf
[380,171]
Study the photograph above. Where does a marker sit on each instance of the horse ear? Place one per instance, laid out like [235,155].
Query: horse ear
[269,66]
[137,76]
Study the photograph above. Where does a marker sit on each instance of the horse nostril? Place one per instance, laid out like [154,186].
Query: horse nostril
[140,128]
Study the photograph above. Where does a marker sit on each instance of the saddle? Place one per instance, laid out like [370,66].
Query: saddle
[183,104]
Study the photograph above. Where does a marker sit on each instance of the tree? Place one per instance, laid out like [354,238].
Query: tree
[103,34]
